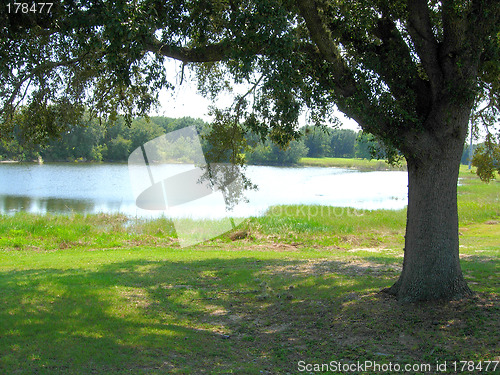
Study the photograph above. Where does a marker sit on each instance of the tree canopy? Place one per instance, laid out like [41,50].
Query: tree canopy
[409,72]
[380,62]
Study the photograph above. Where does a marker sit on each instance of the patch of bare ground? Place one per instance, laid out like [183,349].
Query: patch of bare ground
[149,240]
[418,330]
[274,246]
[136,297]
[477,258]
[317,267]
[351,239]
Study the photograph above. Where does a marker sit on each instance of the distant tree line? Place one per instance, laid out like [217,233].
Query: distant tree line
[314,143]
[96,141]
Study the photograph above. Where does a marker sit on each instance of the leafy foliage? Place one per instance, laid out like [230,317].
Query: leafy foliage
[487,160]
[268,153]
[372,59]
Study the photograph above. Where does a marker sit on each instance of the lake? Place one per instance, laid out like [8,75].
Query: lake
[93,188]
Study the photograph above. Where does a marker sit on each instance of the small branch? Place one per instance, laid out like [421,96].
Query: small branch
[24,95]
[182,73]
[239,102]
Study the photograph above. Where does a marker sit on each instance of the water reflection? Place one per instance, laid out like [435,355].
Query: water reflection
[10,203]
[93,188]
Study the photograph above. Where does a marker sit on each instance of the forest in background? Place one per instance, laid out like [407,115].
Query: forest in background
[97,141]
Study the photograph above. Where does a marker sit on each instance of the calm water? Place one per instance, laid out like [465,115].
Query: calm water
[92,188]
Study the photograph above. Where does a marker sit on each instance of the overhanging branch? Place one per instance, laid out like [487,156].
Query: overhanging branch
[44,67]
[210,53]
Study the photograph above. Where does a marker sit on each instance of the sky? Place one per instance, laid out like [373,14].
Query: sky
[185,101]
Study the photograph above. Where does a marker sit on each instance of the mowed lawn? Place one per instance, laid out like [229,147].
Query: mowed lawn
[104,294]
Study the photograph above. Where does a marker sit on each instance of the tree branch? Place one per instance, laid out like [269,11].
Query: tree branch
[426,45]
[47,66]
[209,53]
[320,35]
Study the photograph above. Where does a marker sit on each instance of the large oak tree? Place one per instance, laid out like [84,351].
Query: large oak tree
[409,72]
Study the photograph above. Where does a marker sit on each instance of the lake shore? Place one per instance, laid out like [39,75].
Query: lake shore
[364,165]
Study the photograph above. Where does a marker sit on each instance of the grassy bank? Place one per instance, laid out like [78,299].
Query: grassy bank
[360,164]
[102,294]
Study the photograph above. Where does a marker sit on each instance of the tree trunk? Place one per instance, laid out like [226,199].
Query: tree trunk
[431,266]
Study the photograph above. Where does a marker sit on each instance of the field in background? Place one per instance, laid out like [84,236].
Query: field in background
[360,164]
[105,294]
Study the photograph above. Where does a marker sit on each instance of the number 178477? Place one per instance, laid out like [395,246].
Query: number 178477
[29,7]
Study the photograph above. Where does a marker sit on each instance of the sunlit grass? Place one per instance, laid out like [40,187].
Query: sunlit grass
[477,201]
[360,164]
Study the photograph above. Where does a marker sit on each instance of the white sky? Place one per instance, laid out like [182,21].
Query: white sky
[185,101]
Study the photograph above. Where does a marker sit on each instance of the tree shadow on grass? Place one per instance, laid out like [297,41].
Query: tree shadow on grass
[242,315]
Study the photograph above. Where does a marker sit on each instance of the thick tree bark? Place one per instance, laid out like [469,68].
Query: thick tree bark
[431,266]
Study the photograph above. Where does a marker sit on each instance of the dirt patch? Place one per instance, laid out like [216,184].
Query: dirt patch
[136,297]
[317,267]
[367,249]
[351,239]
[274,246]
[479,259]
[239,235]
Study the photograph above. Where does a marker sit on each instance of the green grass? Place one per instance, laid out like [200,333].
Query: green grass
[360,164]
[478,201]
[102,294]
